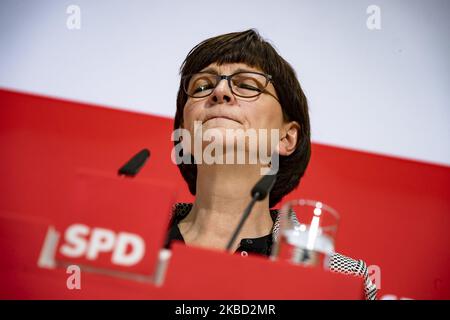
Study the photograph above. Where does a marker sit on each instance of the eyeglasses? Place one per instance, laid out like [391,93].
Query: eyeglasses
[242,84]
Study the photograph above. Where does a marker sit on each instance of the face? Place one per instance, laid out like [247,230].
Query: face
[223,110]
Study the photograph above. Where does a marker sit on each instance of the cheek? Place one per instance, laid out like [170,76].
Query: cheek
[190,114]
[265,116]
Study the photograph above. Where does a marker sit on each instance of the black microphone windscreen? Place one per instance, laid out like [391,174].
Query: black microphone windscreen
[132,167]
[263,187]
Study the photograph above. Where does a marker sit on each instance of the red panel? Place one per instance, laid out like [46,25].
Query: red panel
[125,220]
[216,275]
[21,239]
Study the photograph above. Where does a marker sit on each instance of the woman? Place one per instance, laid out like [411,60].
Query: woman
[232,82]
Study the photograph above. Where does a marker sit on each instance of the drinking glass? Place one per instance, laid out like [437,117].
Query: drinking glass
[307,233]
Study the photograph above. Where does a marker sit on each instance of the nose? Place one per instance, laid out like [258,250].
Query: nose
[222,93]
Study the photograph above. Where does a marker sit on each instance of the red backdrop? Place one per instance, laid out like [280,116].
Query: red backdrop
[395,212]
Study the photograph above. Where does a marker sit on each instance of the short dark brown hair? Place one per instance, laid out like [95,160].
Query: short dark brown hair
[250,48]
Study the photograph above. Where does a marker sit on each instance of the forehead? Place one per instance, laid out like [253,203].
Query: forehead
[228,68]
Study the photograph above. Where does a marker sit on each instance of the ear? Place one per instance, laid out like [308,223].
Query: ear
[289,138]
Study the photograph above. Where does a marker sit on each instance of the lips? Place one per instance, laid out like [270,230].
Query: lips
[220,116]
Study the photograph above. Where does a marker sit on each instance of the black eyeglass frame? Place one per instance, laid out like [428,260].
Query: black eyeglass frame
[219,77]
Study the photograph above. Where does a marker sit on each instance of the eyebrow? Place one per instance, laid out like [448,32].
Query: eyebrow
[214,71]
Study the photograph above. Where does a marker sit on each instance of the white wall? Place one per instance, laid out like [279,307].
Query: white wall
[384,90]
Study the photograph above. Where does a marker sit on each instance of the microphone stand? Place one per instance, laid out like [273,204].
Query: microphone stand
[244,217]
[258,193]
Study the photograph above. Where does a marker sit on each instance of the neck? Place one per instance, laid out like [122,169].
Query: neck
[223,193]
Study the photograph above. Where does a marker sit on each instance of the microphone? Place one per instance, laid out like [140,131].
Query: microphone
[263,187]
[135,164]
[258,193]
